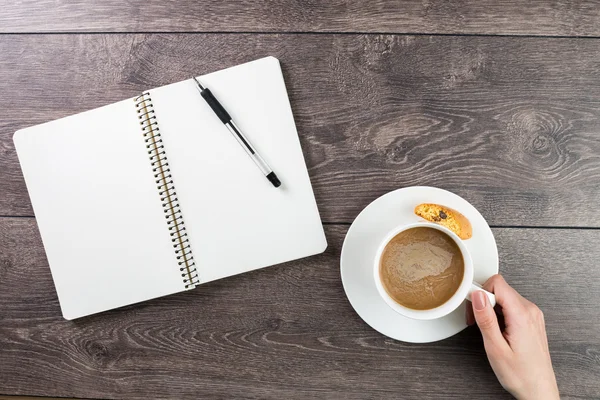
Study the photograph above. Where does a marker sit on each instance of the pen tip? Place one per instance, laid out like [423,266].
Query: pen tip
[198,83]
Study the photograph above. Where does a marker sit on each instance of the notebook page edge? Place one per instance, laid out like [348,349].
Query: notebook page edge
[23,140]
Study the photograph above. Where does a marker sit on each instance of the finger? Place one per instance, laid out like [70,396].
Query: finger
[469,313]
[488,323]
[506,296]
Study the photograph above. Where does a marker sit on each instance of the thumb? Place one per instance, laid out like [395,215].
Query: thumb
[486,319]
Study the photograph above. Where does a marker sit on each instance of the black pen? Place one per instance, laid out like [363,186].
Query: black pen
[237,133]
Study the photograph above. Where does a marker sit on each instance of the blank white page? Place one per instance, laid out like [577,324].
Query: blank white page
[236,220]
[98,210]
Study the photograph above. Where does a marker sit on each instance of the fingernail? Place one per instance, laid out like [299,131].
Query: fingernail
[479,300]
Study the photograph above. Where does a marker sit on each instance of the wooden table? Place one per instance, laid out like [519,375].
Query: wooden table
[496,101]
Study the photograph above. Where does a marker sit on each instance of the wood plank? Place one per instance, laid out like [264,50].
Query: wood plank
[33,398]
[283,332]
[505,17]
[511,124]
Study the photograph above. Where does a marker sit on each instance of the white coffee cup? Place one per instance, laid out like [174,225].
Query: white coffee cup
[464,291]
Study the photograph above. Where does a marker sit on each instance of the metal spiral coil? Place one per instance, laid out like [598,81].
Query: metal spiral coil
[166,189]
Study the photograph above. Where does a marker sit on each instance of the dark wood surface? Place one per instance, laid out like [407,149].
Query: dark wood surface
[510,123]
[32,398]
[282,332]
[506,17]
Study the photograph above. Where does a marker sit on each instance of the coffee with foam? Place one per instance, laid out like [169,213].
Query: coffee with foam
[421,268]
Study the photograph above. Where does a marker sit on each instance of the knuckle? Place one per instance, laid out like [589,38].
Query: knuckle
[535,313]
[539,314]
[495,279]
[494,282]
[489,284]
[533,310]
[485,323]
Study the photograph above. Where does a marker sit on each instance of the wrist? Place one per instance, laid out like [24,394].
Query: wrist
[547,392]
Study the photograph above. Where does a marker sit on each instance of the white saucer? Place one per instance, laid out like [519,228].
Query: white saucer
[365,235]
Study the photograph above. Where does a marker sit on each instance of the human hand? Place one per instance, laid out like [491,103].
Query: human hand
[518,355]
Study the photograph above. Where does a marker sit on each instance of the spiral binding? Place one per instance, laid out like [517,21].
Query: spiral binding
[166,189]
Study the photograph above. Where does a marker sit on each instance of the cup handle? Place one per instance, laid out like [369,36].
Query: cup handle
[475,287]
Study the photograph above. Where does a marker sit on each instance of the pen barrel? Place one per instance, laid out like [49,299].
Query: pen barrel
[258,160]
[215,105]
[242,140]
[224,116]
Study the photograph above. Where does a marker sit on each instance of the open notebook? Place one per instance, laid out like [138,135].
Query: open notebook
[152,195]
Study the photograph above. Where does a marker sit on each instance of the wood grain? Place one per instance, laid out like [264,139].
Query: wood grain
[511,124]
[283,332]
[33,398]
[505,17]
